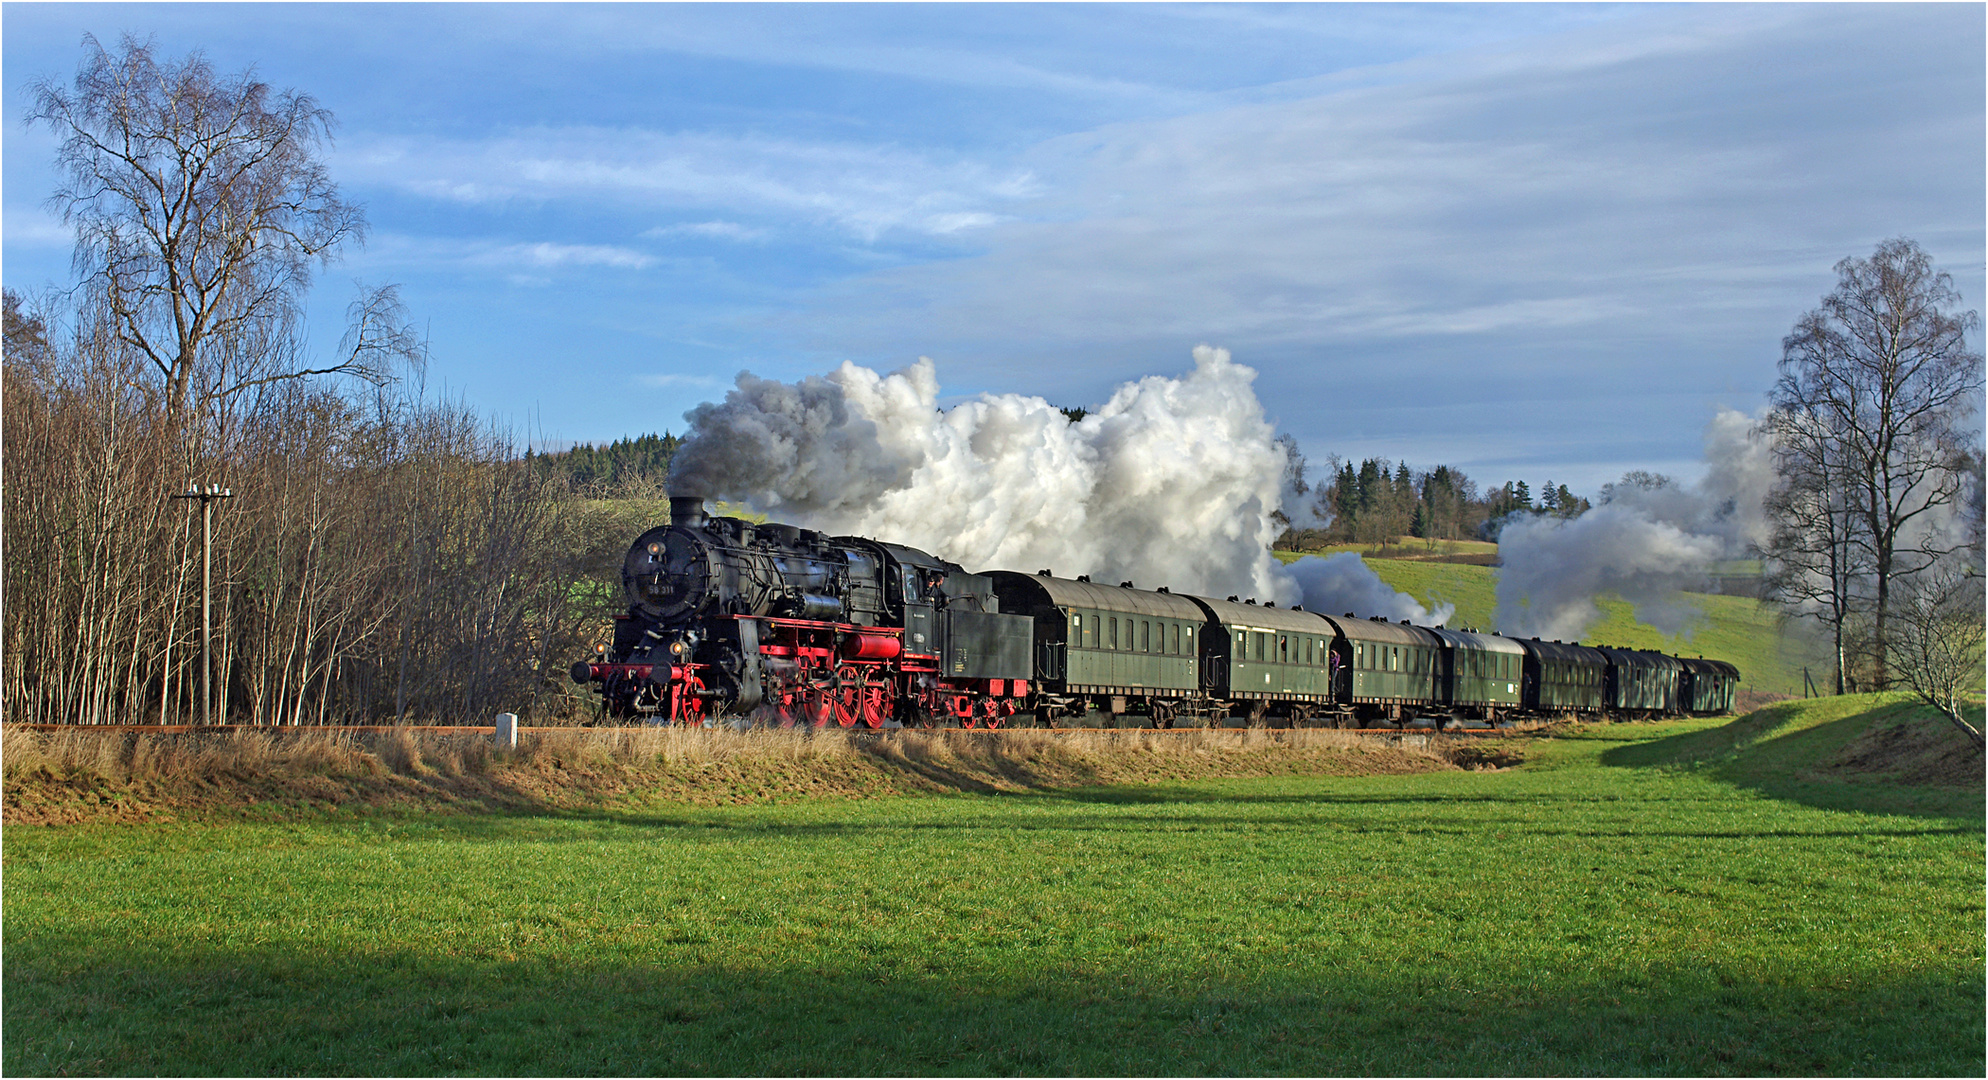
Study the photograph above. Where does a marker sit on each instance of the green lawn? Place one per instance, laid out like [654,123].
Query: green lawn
[1618,904]
[1736,629]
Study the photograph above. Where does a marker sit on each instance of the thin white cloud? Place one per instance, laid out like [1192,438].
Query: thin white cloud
[829,41]
[545,254]
[37,228]
[676,379]
[866,191]
[524,263]
[712,230]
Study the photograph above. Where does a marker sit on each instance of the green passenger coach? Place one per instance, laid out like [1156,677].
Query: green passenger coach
[1388,668]
[1478,675]
[1564,678]
[1272,663]
[1105,652]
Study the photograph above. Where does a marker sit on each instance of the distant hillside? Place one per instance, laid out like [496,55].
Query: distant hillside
[1413,549]
[1742,631]
[640,464]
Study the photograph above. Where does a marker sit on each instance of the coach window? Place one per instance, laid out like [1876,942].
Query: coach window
[1283,649]
[1188,639]
[1077,629]
[1176,639]
[1114,632]
[1145,636]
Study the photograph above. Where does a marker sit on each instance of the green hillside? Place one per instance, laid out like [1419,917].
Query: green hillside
[1741,631]
[1882,752]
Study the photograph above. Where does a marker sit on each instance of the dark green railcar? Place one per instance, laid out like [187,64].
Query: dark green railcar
[1640,682]
[1708,686]
[1561,678]
[1388,670]
[1270,664]
[1477,675]
[1104,653]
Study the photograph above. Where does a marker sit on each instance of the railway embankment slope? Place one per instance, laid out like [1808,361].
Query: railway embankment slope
[1877,752]
[80,776]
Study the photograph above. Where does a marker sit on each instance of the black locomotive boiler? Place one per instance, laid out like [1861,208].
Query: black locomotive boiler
[773,623]
[726,617]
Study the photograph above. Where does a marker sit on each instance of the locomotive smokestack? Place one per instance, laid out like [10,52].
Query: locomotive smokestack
[686,509]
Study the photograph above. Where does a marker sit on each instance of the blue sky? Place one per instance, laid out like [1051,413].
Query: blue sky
[1537,242]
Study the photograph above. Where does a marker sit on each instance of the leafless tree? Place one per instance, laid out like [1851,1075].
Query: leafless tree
[1813,566]
[201,209]
[1878,393]
[1939,634]
[384,555]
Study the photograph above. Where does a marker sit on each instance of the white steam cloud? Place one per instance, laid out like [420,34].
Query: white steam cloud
[1173,482]
[1342,583]
[1647,543]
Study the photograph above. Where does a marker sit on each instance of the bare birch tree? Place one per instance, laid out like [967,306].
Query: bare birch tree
[1939,637]
[1813,566]
[201,209]
[1879,391]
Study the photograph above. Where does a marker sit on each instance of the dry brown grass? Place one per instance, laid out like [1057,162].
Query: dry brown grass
[81,774]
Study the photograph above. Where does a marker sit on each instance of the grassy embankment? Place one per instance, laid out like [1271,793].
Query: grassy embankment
[1698,897]
[1736,629]
[85,775]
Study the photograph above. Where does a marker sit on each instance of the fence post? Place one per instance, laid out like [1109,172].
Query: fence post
[506,732]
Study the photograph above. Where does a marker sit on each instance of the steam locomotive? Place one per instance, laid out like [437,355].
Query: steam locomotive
[777,624]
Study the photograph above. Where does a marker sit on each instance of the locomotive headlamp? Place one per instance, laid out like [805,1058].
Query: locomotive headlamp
[679,648]
[655,549]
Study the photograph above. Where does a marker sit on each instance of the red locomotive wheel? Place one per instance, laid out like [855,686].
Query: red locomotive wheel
[788,708]
[689,704]
[848,696]
[990,712]
[878,703]
[818,707]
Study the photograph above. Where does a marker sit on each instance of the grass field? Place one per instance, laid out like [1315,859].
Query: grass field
[1736,629]
[1689,898]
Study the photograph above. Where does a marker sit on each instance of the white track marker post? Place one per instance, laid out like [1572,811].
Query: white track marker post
[506,732]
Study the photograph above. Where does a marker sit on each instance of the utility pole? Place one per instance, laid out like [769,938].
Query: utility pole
[206,495]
